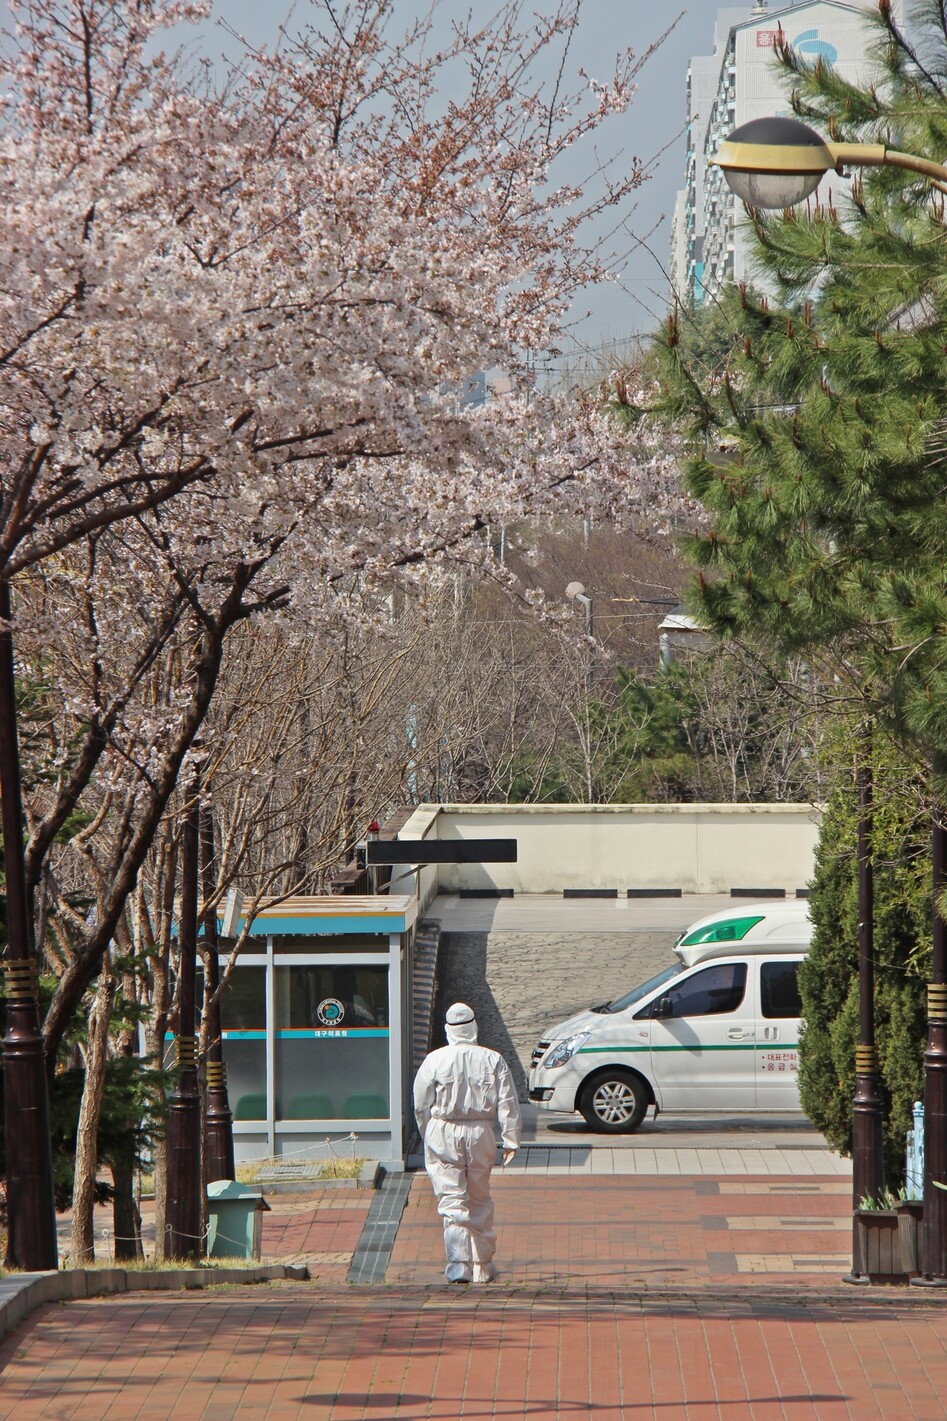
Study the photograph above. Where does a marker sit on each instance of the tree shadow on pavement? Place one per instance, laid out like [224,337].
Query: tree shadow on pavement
[449,1408]
[462,977]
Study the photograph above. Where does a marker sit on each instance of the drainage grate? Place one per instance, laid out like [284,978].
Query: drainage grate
[377,1239]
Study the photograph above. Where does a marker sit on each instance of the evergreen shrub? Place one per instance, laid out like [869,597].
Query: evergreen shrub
[902,952]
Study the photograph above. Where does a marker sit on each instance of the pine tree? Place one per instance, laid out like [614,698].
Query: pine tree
[820,461]
[819,449]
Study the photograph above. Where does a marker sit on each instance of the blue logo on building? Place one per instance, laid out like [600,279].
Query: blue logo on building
[809,44]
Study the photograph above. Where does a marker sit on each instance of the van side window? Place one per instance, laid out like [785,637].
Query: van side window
[716,989]
[779,989]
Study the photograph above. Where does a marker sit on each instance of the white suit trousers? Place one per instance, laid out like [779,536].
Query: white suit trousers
[459,1157]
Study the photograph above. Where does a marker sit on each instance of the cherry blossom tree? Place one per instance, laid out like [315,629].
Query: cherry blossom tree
[241,315]
[270,291]
[237,321]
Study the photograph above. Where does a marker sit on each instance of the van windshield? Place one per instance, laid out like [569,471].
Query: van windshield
[638,994]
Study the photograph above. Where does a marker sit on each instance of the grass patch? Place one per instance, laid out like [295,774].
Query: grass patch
[142,1265]
[166,1265]
[340,1169]
[260,1171]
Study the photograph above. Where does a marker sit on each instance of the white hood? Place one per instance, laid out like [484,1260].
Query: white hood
[463,1031]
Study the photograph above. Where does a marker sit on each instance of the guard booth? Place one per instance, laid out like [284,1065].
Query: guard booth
[316,1028]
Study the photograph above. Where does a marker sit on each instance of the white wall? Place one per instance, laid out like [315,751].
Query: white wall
[699,848]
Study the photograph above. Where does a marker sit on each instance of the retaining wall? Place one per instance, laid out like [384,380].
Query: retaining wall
[693,848]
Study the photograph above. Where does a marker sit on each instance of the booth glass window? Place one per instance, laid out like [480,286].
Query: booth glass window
[330,942]
[243,1025]
[331,1032]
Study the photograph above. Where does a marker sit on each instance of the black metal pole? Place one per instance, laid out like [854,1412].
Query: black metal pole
[218,1120]
[934,1236]
[31,1207]
[183,1211]
[867,1141]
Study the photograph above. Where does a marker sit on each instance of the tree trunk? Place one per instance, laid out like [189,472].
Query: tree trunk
[121,875]
[126,1219]
[93,1091]
[161,1198]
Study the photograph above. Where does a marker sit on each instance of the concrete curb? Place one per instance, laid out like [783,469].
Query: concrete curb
[22,1293]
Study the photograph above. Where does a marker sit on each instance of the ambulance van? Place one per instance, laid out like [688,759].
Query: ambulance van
[718,1031]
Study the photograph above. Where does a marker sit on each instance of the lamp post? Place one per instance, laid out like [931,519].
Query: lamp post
[371,837]
[184,1211]
[778,162]
[218,1119]
[867,1142]
[31,1234]
[934,1246]
[575,591]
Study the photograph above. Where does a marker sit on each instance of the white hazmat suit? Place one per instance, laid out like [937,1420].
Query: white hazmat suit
[459,1092]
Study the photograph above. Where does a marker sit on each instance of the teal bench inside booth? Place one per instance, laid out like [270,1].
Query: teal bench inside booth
[250,1107]
[365,1107]
[310,1107]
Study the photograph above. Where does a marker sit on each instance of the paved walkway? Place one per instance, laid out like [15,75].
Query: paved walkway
[398,1354]
[662,1159]
[665,1231]
[658,1297]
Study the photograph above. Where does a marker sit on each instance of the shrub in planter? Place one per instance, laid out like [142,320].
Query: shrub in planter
[886,1238]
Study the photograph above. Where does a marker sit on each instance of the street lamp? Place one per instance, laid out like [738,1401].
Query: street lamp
[575,591]
[779,162]
[31,1232]
[183,1211]
[218,1119]
[867,1109]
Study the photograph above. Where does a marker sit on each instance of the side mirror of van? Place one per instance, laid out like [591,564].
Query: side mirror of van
[663,1008]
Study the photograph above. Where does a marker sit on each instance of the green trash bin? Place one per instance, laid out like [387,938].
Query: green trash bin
[234,1220]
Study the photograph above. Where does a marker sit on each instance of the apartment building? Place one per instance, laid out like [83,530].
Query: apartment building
[741,80]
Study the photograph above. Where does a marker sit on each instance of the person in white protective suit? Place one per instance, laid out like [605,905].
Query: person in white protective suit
[461,1090]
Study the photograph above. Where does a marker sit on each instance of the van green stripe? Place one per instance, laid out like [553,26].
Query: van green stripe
[735,1046]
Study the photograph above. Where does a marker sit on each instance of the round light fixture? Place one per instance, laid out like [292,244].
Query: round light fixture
[774,162]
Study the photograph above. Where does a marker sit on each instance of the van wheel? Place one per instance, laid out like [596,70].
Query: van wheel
[615,1103]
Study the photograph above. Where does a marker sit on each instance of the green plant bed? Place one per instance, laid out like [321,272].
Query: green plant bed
[167,1265]
[341,1169]
[315,1170]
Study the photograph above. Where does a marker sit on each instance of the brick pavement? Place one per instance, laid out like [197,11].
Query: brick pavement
[444,1354]
[320,1229]
[666,1231]
[661,1298]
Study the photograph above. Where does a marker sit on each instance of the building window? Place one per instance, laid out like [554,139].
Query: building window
[331,1042]
[243,1024]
